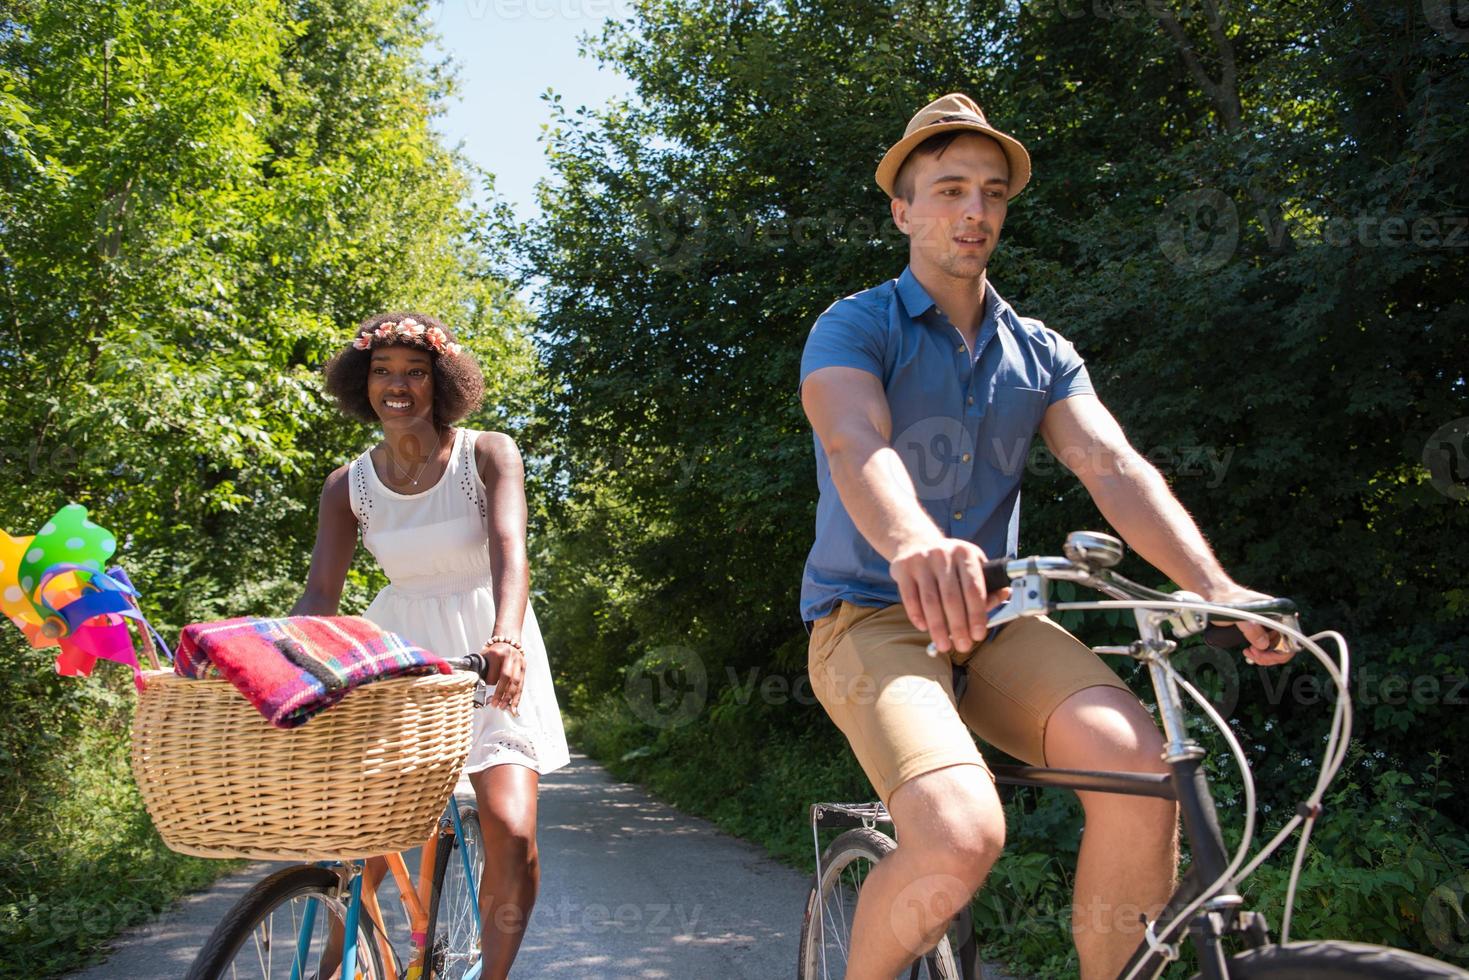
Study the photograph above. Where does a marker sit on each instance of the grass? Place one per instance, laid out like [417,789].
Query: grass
[1374,872]
[81,862]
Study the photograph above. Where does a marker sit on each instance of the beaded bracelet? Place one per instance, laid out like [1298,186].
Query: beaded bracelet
[497,638]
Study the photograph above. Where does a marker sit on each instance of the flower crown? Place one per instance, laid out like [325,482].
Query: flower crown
[408,331]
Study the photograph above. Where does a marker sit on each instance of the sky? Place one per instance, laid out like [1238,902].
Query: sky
[508,53]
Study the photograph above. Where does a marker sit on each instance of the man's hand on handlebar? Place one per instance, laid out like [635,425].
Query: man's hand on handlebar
[1267,647]
[941,583]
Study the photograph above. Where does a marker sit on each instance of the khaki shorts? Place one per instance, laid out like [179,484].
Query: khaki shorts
[871,670]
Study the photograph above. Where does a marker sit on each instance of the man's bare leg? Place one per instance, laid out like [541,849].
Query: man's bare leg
[951,829]
[1129,849]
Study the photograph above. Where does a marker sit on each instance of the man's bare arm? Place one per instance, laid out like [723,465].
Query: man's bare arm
[1135,499]
[940,579]
[849,412]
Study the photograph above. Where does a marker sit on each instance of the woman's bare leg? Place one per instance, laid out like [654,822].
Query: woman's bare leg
[506,797]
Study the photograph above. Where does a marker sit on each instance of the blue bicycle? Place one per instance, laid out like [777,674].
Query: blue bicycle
[323,921]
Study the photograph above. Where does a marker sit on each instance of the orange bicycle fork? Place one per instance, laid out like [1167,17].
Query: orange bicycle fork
[419,900]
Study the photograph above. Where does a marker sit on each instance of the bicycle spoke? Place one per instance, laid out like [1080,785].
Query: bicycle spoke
[828,949]
[838,910]
[835,934]
[456,943]
[844,932]
[262,948]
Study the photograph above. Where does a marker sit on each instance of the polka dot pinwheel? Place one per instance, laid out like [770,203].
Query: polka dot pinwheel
[54,589]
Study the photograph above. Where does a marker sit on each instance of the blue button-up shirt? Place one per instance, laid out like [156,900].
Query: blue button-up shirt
[963,422]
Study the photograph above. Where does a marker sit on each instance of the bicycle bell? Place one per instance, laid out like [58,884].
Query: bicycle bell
[1093,549]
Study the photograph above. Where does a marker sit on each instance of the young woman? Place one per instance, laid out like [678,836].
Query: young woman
[442,509]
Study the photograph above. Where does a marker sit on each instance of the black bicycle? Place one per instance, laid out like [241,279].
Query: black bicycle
[1231,941]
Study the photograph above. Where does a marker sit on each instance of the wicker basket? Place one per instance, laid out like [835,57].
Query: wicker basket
[370,775]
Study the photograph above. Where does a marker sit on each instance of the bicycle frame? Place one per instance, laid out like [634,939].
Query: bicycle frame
[416,897]
[1088,557]
[1187,784]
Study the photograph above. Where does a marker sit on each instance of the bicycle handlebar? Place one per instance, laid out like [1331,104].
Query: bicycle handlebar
[996,574]
[474,661]
[1231,636]
[1088,561]
[1225,637]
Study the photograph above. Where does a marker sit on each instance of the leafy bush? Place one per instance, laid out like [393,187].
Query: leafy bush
[200,202]
[79,858]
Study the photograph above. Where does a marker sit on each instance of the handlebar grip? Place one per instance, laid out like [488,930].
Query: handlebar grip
[474,661]
[995,576]
[1227,637]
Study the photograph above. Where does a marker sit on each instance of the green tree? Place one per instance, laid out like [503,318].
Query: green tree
[200,199]
[1203,176]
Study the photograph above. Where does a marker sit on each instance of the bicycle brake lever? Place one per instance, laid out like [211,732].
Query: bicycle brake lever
[1011,609]
[1187,622]
[1030,595]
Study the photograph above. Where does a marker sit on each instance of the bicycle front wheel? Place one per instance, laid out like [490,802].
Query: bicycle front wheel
[454,922]
[1336,960]
[826,933]
[288,926]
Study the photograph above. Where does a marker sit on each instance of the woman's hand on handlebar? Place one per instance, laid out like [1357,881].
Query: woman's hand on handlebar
[1266,646]
[506,671]
[941,583]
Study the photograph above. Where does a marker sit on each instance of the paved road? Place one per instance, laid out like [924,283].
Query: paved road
[630,888]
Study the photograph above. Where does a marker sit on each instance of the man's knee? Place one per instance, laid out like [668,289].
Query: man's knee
[976,850]
[951,819]
[1104,728]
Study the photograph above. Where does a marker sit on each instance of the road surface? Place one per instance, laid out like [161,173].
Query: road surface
[630,888]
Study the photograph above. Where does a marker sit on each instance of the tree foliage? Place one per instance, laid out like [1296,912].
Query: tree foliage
[200,199]
[1249,218]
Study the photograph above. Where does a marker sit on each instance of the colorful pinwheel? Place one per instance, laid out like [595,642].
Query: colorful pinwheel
[54,589]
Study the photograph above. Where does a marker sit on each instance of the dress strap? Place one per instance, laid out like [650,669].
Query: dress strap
[359,492]
[469,480]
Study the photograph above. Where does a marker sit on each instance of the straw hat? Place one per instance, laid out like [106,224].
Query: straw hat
[942,115]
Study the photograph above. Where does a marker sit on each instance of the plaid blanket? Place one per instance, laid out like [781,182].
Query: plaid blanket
[292,668]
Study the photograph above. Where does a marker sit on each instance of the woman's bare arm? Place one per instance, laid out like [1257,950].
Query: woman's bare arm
[503,472]
[336,540]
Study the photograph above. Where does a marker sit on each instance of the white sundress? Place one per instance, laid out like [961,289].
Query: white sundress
[434,547]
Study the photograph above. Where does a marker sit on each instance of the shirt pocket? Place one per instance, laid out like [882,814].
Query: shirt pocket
[1010,425]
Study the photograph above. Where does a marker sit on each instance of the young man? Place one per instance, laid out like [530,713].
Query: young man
[924,394]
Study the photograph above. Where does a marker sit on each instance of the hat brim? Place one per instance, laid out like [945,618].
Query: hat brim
[1015,154]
